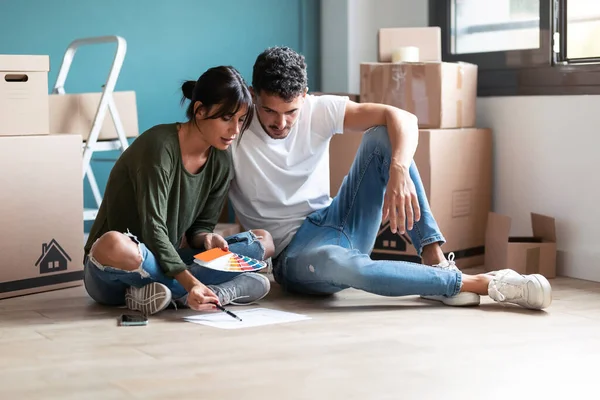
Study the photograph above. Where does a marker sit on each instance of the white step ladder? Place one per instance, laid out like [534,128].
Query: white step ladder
[107,103]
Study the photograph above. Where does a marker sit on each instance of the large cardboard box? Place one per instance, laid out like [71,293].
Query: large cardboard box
[456,169]
[75,113]
[24,94]
[227,229]
[442,95]
[527,255]
[427,39]
[41,209]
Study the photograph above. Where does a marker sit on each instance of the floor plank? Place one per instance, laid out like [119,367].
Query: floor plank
[60,345]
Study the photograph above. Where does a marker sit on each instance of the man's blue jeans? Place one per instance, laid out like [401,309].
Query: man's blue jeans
[107,285]
[330,251]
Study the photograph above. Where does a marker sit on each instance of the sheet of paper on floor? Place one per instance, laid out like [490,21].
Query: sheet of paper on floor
[250,318]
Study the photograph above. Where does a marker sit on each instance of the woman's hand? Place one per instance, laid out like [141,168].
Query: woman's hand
[201,298]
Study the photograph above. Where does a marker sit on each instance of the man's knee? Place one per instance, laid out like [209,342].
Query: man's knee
[330,257]
[336,261]
[116,250]
[266,240]
[377,137]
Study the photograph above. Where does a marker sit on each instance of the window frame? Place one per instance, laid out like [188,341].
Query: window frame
[529,72]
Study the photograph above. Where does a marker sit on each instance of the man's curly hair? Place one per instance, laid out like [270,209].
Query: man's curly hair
[280,71]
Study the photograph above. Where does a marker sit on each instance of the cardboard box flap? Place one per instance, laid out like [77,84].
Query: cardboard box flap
[24,63]
[533,254]
[544,227]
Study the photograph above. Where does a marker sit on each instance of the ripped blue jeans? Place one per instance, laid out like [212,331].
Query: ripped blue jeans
[107,285]
[330,251]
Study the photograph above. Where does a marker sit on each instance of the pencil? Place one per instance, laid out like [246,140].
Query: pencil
[220,307]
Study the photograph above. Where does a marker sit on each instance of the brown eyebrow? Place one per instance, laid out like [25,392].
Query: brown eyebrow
[287,112]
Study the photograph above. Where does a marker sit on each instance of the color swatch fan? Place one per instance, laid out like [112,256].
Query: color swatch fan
[222,260]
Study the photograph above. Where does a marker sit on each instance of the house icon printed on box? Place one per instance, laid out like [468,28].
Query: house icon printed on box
[386,240]
[53,258]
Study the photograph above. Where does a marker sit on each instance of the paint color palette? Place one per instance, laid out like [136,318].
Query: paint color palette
[223,260]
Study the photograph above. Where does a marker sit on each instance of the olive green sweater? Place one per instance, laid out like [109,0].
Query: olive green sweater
[150,194]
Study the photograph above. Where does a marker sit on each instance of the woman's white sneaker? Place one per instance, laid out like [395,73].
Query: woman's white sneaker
[528,291]
[148,299]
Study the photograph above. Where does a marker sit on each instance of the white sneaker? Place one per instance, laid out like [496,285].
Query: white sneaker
[462,299]
[528,291]
[148,299]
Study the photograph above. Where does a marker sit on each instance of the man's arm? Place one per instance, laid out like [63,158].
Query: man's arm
[401,204]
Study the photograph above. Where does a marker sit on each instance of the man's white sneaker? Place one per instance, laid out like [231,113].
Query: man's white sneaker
[448,265]
[462,299]
[148,299]
[528,291]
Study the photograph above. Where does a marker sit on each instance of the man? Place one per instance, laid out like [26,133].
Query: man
[321,244]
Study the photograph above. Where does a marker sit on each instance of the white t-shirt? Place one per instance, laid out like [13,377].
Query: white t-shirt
[279,182]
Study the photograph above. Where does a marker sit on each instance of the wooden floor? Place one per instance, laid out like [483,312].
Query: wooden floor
[59,345]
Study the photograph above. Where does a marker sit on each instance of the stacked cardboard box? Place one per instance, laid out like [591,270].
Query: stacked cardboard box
[454,156]
[74,113]
[41,186]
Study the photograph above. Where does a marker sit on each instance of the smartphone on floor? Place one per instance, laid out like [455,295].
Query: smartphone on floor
[133,320]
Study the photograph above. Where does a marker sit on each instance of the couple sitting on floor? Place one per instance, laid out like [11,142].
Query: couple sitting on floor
[266,147]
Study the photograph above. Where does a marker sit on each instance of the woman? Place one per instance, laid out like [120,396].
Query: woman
[167,190]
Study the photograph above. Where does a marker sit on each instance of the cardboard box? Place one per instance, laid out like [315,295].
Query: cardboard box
[41,198]
[342,149]
[441,95]
[75,113]
[527,255]
[24,95]
[427,39]
[227,229]
[352,96]
[459,193]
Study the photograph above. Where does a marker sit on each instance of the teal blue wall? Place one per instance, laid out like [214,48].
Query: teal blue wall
[167,41]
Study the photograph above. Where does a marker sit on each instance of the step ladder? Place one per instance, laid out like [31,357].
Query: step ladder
[107,104]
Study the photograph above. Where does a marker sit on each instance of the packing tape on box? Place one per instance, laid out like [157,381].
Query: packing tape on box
[418,95]
[409,89]
[459,103]
[402,85]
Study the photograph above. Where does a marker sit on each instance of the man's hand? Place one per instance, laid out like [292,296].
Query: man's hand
[201,298]
[400,204]
[213,240]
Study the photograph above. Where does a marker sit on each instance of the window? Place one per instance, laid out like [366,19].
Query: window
[582,30]
[483,26]
[524,47]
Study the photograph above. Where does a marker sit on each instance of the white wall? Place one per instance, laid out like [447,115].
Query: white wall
[349,36]
[542,145]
